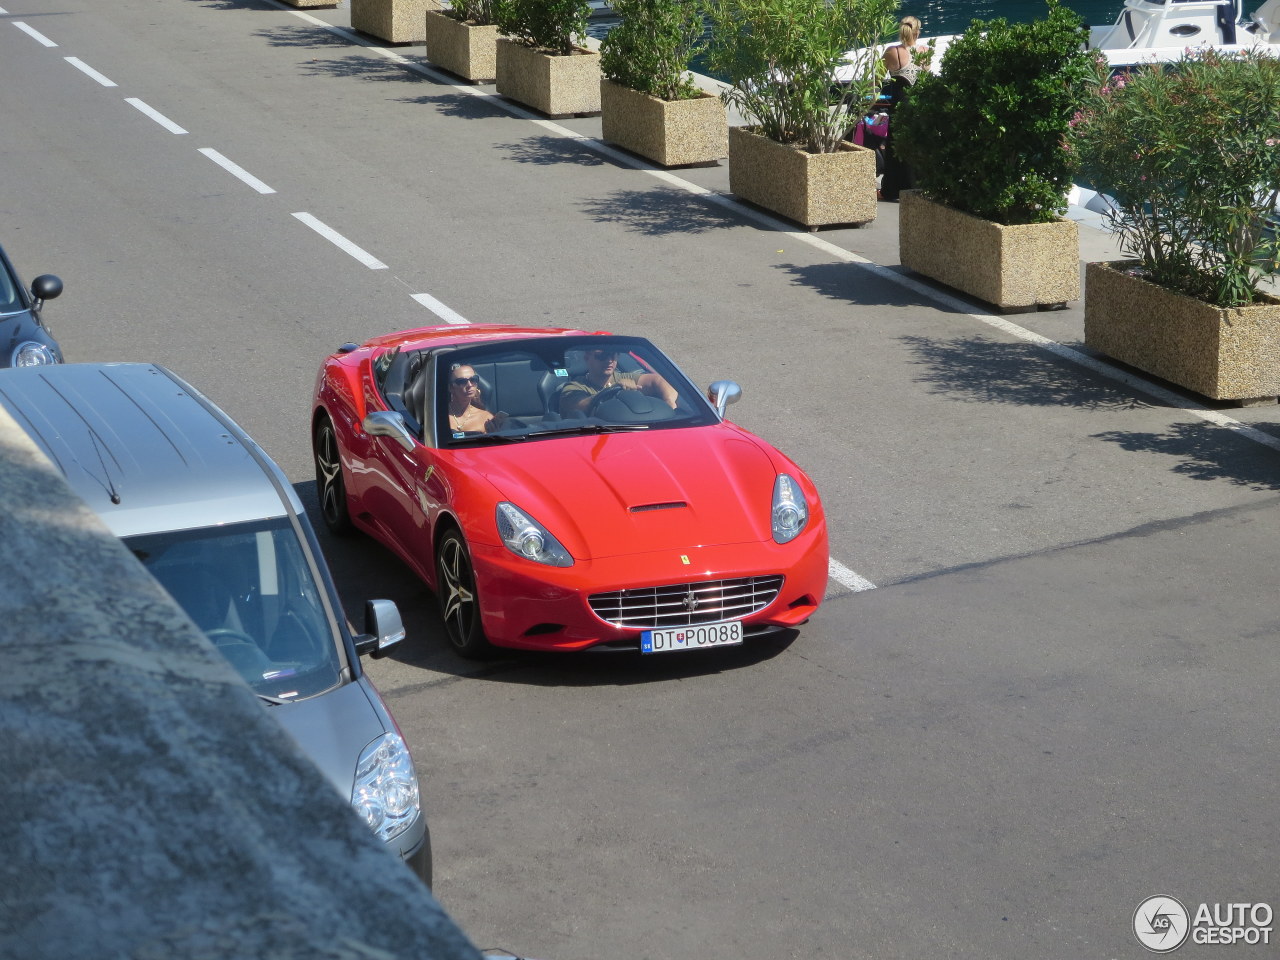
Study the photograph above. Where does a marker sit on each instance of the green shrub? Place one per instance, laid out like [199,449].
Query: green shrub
[1190,155]
[987,134]
[780,56]
[479,12]
[550,24]
[650,48]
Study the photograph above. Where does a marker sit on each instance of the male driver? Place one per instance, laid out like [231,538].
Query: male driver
[602,373]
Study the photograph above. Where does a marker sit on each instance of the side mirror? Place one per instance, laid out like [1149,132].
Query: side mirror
[722,393]
[383,629]
[45,287]
[385,423]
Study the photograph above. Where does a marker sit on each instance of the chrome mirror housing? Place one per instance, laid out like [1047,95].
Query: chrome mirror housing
[385,423]
[722,393]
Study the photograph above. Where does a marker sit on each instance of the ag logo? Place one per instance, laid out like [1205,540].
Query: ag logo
[1161,924]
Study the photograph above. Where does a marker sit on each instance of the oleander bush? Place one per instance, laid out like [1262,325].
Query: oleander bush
[553,25]
[651,47]
[987,133]
[1189,157]
[780,57]
[477,12]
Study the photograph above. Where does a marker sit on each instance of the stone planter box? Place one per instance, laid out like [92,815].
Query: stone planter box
[671,133]
[1019,267]
[813,189]
[464,49]
[559,86]
[1225,353]
[395,21]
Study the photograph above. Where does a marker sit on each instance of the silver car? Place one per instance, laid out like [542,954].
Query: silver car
[217,523]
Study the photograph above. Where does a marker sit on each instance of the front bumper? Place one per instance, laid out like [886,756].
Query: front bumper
[414,848]
[532,606]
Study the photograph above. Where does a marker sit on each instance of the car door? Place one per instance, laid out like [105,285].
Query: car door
[416,487]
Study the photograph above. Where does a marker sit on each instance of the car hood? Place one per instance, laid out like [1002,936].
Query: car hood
[332,729]
[616,493]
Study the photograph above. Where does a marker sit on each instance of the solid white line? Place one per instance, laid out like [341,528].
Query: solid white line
[155,115]
[338,240]
[235,170]
[88,71]
[33,32]
[838,572]
[439,309]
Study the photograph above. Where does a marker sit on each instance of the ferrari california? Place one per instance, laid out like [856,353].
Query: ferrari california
[565,490]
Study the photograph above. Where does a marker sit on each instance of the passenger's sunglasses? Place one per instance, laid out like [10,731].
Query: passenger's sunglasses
[463,381]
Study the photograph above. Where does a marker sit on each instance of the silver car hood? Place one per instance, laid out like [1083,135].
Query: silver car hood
[332,729]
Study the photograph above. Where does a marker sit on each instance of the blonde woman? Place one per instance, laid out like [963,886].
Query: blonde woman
[903,71]
[899,57]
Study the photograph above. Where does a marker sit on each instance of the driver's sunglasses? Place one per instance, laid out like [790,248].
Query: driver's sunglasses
[463,381]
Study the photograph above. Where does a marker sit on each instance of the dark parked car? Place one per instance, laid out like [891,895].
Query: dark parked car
[24,339]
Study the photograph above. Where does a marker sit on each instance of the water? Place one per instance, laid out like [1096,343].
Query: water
[953,16]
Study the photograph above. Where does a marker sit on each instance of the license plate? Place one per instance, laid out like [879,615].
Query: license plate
[704,635]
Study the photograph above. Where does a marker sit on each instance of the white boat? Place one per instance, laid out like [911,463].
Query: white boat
[1156,31]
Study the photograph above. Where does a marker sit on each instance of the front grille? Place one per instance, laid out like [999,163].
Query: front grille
[685,604]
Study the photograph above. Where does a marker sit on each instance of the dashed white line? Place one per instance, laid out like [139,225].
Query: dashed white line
[838,572]
[155,115]
[439,309]
[88,71]
[236,170]
[338,240]
[33,32]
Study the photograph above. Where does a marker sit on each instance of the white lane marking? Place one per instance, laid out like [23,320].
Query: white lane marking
[33,32]
[236,170]
[155,115]
[88,71]
[338,240]
[838,572]
[439,309]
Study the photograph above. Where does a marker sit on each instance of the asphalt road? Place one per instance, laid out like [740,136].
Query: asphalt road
[1058,700]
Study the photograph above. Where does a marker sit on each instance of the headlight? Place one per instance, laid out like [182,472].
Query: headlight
[527,538]
[385,793]
[790,511]
[32,354]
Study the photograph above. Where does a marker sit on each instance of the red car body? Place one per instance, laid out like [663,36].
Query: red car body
[666,514]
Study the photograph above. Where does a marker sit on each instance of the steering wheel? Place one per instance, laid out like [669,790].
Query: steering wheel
[225,635]
[606,394]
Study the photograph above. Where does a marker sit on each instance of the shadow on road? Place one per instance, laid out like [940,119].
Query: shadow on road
[548,151]
[978,370]
[858,284]
[1207,452]
[657,213]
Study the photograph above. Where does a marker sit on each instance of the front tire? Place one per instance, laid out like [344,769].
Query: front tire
[459,602]
[330,486]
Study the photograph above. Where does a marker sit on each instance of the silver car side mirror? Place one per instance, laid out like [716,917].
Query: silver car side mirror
[383,627]
[385,423]
[722,393]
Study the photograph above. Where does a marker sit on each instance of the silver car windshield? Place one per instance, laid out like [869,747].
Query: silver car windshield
[250,589]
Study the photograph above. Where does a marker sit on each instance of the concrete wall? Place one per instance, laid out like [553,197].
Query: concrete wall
[152,809]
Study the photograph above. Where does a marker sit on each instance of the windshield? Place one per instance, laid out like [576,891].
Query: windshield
[10,297]
[557,386]
[250,588]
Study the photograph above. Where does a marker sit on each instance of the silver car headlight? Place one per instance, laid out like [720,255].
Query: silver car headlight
[527,538]
[32,354]
[385,794]
[790,511]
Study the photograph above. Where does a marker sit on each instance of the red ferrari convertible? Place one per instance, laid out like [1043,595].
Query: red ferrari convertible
[564,490]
